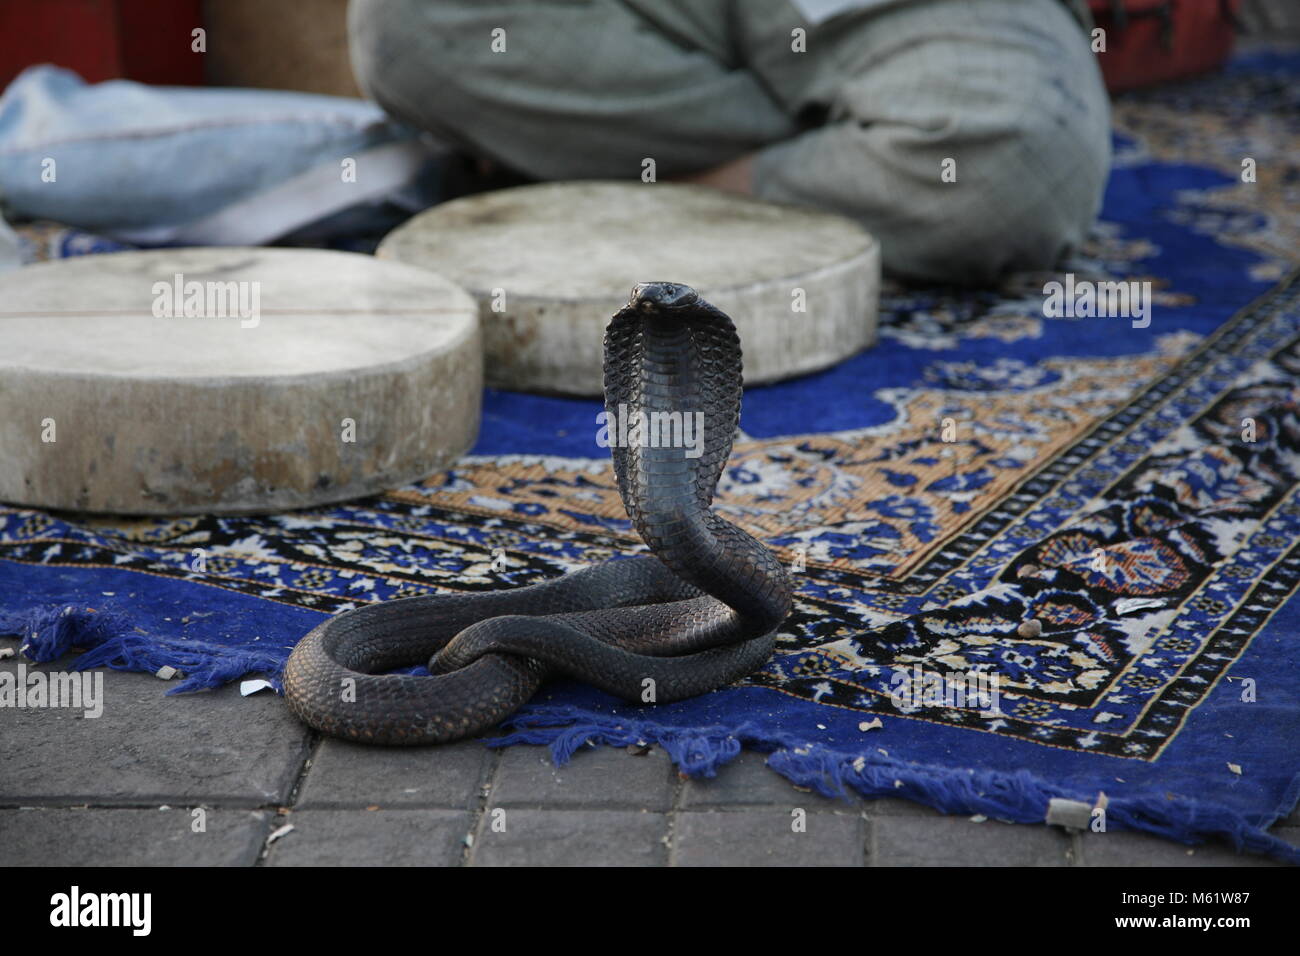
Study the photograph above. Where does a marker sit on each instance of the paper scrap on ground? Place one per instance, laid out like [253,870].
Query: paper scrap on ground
[1074,814]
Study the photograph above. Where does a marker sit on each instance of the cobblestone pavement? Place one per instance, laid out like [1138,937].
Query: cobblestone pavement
[125,788]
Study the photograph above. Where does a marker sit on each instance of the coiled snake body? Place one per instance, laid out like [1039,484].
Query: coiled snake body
[697,614]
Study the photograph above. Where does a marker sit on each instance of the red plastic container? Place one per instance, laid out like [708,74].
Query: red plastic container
[145,40]
[1152,41]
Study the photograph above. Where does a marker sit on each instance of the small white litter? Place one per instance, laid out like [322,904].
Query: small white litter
[166,672]
[247,687]
[1129,605]
[282,831]
[870,725]
[1030,628]
[1074,814]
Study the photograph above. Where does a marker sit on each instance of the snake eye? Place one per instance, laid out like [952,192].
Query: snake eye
[662,295]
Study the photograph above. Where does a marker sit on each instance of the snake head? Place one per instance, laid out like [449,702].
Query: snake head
[662,296]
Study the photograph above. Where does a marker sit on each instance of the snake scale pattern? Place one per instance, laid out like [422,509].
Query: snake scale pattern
[698,612]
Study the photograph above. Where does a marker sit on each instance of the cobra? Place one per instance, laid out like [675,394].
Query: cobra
[698,612]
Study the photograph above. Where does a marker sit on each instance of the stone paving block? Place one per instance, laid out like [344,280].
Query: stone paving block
[1126,848]
[766,838]
[748,781]
[607,777]
[131,837]
[346,775]
[371,838]
[895,807]
[212,747]
[940,840]
[571,838]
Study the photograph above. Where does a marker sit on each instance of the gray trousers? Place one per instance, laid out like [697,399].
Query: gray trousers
[1003,95]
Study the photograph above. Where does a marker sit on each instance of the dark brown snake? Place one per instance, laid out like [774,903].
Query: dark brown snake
[698,614]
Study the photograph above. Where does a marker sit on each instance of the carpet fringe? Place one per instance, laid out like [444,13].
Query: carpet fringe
[1018,797]
[110,640]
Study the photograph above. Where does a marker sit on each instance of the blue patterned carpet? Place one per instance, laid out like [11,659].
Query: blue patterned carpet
[1110,539]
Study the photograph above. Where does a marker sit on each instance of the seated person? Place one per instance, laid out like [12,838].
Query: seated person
[972,137]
